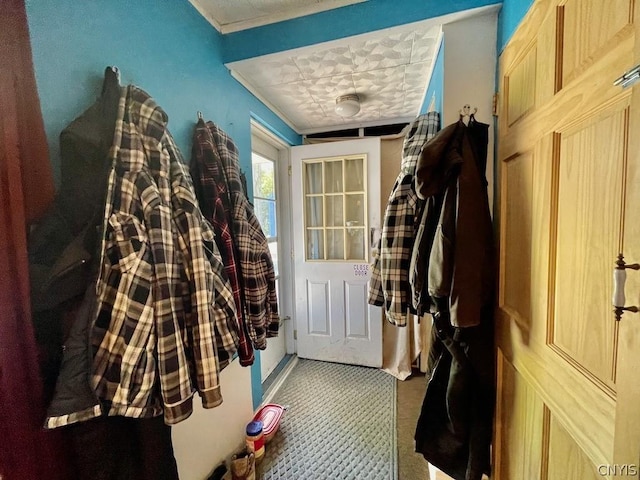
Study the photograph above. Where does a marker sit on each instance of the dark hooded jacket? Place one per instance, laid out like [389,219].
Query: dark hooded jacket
[63,264]
[453,279]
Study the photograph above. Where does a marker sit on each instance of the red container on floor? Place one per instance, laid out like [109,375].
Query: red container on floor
[270,416]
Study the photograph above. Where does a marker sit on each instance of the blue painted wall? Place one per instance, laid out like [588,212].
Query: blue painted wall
[436,83]
[168,49]
[338,23]
[510,17]
[164,46]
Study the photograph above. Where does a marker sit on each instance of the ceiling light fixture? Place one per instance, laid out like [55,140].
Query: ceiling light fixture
[347,105]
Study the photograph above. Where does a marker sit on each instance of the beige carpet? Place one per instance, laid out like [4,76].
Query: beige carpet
[411,465]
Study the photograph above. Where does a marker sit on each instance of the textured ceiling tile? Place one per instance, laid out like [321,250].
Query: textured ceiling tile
[413,96]
[373,82]
[424,45]
[370,111]
[390,100]
[416,76]
[395,111]
[413,102]
[309,113]
[241,10]
[271,72]
[389,71]
[335,120]
[262,12]
[287,91]
[325,63]
[328,88]
[384,52]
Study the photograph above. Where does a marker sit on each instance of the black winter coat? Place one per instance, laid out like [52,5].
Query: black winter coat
[63,263]
[454,429]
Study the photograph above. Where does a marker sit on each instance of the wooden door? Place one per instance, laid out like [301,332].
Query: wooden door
[568,404]
[335,197]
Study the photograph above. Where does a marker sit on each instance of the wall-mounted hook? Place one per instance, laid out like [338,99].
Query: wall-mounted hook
[200,117]
[467,113]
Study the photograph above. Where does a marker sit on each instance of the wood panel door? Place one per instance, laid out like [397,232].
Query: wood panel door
[568,403]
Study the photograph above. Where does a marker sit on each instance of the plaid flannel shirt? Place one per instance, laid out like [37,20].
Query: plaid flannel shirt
[213,195]
[389,285]
[162,297]
[256,265]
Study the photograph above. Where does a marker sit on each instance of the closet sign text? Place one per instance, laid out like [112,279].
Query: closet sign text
[361,270]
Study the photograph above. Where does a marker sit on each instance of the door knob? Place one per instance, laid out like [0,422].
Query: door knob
[619,279]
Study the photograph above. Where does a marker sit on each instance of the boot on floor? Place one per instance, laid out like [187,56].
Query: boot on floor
[243,466]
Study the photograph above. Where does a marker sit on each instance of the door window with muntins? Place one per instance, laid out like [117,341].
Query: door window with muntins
[335,208]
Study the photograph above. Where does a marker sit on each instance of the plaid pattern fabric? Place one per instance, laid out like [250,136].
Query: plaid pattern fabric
[256,265]
[389,285]
[162,295]
[211,189]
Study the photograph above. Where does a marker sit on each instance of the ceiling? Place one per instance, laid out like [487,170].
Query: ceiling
[234,15]
[388,69]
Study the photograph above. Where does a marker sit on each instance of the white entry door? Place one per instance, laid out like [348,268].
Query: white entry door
[336,198]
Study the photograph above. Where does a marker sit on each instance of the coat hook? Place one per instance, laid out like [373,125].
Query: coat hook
[465,111]
[466,114]
[200,115]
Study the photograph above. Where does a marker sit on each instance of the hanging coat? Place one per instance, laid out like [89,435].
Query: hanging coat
[453,263]
[212,189]
[457,257]
[162,296]
[390,273]
[64,256]
[256,265]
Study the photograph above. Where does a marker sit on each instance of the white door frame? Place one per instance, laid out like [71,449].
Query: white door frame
[283,178]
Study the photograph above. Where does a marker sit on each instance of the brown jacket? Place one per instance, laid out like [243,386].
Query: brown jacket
[454,254]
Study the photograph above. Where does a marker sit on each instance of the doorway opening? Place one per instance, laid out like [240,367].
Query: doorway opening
[270,187]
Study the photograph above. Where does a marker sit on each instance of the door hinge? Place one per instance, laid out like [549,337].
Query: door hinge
[295,334]
[293,254]
[495,105]
[289,170]
[628,78]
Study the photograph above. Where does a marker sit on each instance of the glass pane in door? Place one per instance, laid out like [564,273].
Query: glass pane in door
[335,244]
[354,175]
[355,243]
[355,209]
[315,244]
[313,178]
[314,212]
[335,217]
[335,213]
[333,176]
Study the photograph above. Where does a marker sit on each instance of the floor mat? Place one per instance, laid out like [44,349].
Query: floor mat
[340,424]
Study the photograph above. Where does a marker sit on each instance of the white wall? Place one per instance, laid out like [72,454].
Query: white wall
[470,72]
[210,436]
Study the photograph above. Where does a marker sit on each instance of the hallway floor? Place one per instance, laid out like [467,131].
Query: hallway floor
[409,396]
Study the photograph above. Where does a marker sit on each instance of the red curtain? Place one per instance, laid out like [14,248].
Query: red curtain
[26,190]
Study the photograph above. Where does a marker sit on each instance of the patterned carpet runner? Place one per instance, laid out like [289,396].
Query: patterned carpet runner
[340,424]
